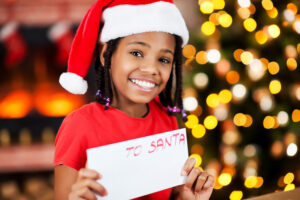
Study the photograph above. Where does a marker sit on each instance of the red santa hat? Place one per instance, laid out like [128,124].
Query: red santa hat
[121,18]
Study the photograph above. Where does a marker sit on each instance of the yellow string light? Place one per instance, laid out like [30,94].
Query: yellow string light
[198,131]
[250,24]
[207,7]
[288,178]
[236,195]
[275,86]
[289,187]
[224,179]
[210,122]
[225,96]
[208,28]
[250,182]
[218,4]
[267,4]
[212,100]
[192,121]
[225,20]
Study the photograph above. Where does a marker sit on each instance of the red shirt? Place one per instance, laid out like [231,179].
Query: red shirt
[92,126]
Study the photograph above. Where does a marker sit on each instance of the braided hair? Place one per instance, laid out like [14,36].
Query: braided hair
[103,79]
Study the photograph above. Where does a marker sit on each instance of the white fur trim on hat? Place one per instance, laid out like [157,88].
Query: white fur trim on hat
[125,20]
[73,83]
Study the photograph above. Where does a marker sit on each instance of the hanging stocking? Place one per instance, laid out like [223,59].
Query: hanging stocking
[15,45]
[62,36]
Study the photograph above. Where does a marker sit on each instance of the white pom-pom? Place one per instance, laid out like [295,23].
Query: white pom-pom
[73,83]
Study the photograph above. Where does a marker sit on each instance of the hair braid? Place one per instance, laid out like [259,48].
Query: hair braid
[103,74]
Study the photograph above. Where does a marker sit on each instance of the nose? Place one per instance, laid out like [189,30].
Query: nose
[149,66]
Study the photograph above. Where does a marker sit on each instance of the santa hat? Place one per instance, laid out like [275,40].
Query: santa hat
[121,18]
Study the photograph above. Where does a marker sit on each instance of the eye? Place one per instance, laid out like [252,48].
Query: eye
[136,53]
[164,60]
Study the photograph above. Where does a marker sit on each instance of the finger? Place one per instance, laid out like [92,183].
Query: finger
[90,184]
[192,177]
[85,193]
[188,166]
[88,173]
[210,183]
[201,180]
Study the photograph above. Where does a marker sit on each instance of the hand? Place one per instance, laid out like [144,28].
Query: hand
[199,184]
[86,186]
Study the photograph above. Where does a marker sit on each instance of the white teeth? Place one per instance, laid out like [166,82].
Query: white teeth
[143,84]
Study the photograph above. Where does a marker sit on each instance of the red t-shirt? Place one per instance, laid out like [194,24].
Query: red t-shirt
[92,126]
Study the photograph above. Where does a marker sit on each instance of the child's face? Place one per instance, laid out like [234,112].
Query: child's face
[141,66]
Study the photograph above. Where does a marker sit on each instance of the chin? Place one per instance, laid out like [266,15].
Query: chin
[142,100]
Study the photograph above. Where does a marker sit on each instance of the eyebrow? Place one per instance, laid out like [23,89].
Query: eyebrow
[147,45]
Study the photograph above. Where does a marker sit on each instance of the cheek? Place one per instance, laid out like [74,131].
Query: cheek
[165,74]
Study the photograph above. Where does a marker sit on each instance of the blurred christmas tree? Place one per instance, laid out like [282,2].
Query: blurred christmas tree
[242,89]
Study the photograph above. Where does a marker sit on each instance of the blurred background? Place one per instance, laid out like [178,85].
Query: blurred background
[241,91]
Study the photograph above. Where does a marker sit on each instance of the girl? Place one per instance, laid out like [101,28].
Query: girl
[137,62]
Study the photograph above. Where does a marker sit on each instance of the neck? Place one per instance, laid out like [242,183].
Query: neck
[131,109]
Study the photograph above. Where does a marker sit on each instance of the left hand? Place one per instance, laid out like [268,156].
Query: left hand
[199,184]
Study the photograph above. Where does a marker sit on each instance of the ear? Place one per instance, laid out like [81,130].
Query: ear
[102,50]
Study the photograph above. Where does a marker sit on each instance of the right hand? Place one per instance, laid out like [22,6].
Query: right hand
[86,186]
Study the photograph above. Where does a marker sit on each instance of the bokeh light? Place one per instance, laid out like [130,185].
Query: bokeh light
[225,96]
[192,121]
[208,28]
[232,77]
[250,24]
[225,20]
[273,68]
[292,150]
[189,51]
[291,64]
[201,80]
[261,37]
[274,31]
[224,179]
[267,4]
[289,178]
[275,86]
[210,122]
[212,100]
[236,195]
[239,91]
[213,55]
[190,103]
[198,131]
[201,57]
[206,7]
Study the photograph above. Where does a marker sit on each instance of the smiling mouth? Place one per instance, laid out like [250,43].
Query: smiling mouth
[143,84]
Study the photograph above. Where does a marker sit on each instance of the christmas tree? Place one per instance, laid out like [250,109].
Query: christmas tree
[242,91]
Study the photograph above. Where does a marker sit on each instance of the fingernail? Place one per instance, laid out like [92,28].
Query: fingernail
[183,173]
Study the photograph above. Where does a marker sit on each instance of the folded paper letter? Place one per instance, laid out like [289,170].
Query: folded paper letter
[140,166]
